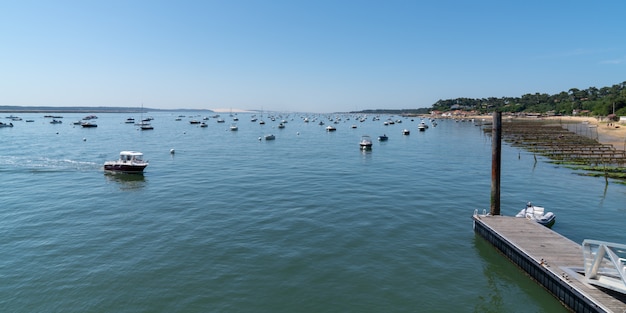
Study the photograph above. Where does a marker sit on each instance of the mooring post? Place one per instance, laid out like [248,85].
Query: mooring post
[496,135]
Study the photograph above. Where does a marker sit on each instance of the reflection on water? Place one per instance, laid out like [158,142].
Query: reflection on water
[126,182]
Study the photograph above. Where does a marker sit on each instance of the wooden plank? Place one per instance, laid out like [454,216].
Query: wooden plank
[551,251]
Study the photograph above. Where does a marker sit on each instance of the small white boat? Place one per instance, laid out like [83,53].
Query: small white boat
[129,162]
[366,142]
[537,214]
[130,120]
[330,128]
[234,127]
[406,132]
[88,125]
[145,126]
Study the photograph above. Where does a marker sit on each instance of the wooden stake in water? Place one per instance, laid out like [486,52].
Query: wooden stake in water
[496,135]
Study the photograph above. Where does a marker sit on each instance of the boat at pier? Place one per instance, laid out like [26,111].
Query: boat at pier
[537,214]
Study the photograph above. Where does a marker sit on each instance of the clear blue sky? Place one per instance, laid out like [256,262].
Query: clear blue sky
[304,56]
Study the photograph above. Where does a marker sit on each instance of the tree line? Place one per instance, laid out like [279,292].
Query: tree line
[591,101]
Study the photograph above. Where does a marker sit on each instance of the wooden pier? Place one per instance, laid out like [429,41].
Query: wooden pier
[550,259]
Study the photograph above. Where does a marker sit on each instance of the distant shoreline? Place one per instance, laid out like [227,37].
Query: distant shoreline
[42,109]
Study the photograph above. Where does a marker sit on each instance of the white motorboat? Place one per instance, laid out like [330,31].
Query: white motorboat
[129,162]
[537,214]
[366,142]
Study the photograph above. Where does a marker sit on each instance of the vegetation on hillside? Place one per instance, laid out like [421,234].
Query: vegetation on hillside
[591,101]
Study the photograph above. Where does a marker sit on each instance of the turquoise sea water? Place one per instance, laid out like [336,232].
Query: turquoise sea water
[305,223]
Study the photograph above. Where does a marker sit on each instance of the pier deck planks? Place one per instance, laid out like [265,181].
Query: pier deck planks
[560,255]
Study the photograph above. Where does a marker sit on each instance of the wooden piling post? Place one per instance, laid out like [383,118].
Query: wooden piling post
[496,146]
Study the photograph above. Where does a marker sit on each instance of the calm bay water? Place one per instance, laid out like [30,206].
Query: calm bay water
[305,223]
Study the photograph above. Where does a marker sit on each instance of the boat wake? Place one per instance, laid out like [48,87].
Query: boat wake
[45,164]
